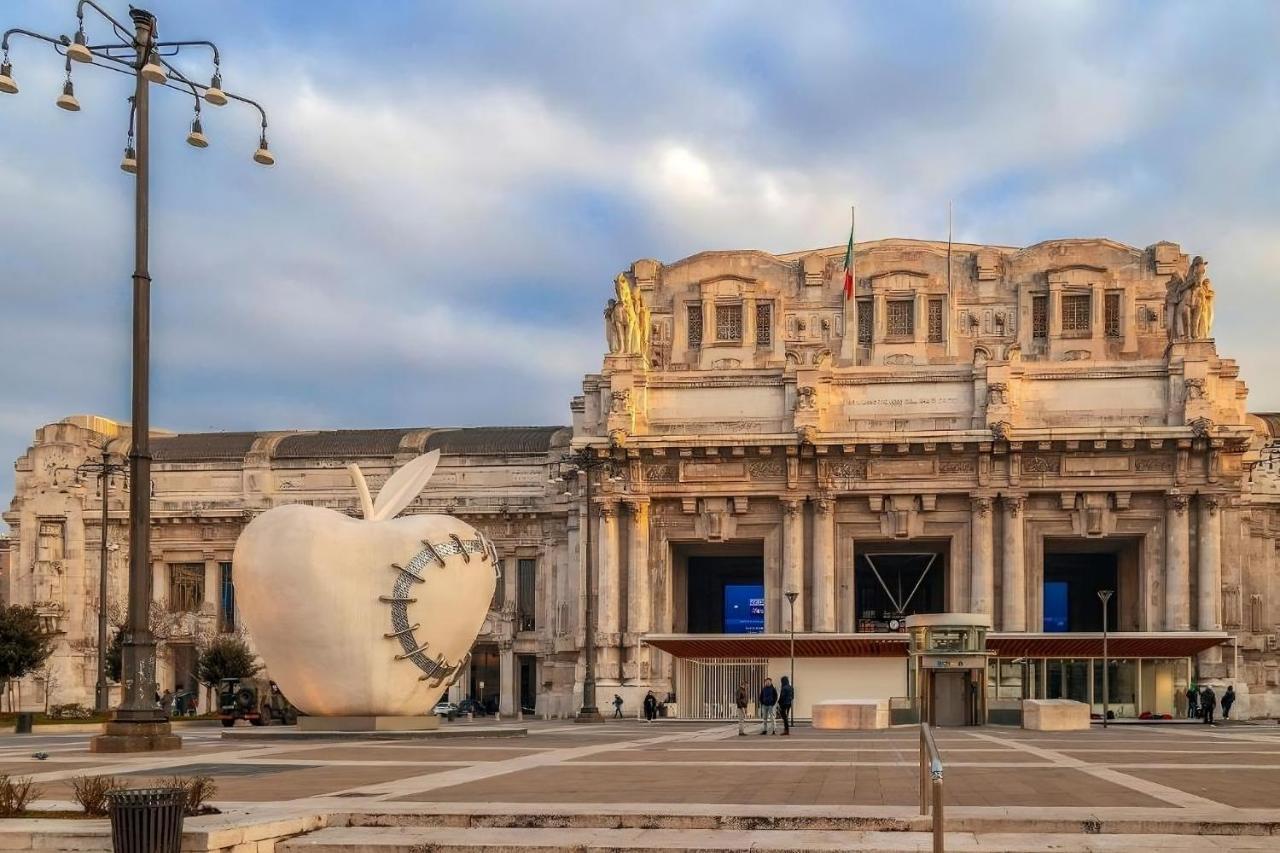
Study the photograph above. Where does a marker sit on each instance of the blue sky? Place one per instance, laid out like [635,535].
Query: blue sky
[459,182]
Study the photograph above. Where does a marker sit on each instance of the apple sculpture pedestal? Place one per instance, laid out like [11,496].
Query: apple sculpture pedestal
[364,622]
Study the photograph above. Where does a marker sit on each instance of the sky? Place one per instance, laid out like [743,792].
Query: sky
[459,182]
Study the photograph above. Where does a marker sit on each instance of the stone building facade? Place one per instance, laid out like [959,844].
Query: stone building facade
[978,429]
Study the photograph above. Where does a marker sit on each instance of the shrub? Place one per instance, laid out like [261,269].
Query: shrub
[91,792]
[70,711]
[16,794]
[197,789]
[226,657]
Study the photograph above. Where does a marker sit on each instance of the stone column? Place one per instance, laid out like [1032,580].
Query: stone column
[1177,573]
[506,680]
[212,587]
[824,565]
[159,581]
[1209,566]
[1013,575]
[639,604]
[792,563]
[981,571]
[607,592]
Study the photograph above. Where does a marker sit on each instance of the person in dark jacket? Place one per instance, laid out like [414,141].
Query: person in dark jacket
[1228,699]
[768,707]
[650,707]
[1193,702]
[741,701]
[617,707]
[786,696]
[1208,702]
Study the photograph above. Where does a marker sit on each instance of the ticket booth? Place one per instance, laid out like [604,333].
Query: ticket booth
[949,667]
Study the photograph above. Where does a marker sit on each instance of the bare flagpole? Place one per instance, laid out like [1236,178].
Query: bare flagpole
[950,298]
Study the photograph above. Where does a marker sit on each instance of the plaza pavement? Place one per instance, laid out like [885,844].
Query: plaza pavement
[567,786]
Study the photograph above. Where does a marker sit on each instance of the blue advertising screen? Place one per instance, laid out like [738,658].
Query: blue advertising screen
[744,608]
[1055,606]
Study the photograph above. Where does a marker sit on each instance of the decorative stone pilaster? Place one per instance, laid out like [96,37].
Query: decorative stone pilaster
[982,573]
[506,679]
[792,561]
[1209,563]
[1177,574]
[639,605]
[607,591]
[1013,578]
[824,565]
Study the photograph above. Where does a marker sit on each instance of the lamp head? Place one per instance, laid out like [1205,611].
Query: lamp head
[214,93]
[67,100]
[196,138]
[153,71]
[263,155]
[130,162]
[7,83]
[78,50]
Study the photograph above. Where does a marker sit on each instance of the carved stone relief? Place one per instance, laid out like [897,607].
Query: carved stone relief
[1036,463]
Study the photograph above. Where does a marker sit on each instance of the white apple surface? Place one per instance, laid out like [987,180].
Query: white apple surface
[364,617]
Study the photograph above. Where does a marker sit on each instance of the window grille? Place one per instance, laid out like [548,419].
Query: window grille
[935,320]
[1039,316]
[695,326]
[1111,315]
[186,587]
[728,322]
[764,324]
[866,320]
[228,598]
[526,599]
[1075,313]
[901,318]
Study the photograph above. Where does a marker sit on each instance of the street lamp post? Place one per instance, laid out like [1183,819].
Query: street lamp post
[139,724]
[585,463]
[1105,596]
[103,468]
[791,595]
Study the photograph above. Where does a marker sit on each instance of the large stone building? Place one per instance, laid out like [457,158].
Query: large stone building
[977,429]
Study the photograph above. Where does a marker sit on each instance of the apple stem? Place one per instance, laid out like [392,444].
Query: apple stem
[366,502]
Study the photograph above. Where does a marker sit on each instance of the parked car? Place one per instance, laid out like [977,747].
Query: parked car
[445,708]
[471,706]
[254,699]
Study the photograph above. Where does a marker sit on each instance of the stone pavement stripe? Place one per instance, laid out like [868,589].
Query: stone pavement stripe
[488,770]
[1151,789]
[852,764]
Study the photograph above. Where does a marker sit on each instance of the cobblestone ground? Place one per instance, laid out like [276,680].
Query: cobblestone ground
[1179,769]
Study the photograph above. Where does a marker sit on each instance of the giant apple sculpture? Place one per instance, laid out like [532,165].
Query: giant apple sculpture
[364,616]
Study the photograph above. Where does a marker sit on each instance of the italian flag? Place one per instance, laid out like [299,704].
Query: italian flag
[848,262]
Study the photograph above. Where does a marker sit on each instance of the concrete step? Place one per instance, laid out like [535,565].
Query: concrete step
[577,840]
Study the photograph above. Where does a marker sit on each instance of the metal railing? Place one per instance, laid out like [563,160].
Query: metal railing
[931,783]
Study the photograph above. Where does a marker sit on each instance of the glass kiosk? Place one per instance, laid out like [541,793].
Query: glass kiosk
[949,667]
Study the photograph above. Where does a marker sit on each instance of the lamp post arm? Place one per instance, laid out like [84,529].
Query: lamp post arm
[17,31]
[198,88]
[217,57]
[121,30]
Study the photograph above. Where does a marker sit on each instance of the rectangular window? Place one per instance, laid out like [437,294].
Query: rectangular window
[901,317]
[1111,315]
[1040,317]
[186,587]
[695,326]
[866,320]
[764,324]
[728,322]
[935,321]
[228,600]
[1075,314]
[526,585]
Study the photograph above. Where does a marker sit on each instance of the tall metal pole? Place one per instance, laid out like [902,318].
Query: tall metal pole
[589,713]
[1105,595]
[791,600]
[100,696]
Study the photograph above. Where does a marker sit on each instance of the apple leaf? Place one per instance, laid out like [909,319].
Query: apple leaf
[362,488]
[403,486]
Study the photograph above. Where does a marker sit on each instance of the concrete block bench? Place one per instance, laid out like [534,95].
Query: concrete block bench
[848,715]
[1055,715]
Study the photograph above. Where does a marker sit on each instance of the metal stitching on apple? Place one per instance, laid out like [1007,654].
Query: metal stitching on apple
[466,558]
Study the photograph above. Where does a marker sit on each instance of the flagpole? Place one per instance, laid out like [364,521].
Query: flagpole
[949,296]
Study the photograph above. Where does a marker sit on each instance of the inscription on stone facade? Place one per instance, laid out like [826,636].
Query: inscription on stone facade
[883,469]
[692,472]
[956,466]
[1094,464]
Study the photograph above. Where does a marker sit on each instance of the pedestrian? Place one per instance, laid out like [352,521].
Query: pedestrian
[1193,702]
[166,703]
[650,707]
[1228,699]
[768,707]
[617,707]
[741,702]
[786,696]
[1208,701]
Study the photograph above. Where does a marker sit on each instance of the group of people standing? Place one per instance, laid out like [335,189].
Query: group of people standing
[773,703]
[1203,702]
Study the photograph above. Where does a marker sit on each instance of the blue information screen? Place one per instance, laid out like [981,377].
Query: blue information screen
[1055,606]
[743,608]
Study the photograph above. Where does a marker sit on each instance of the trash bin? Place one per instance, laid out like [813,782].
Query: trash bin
[147,820]
[23,725]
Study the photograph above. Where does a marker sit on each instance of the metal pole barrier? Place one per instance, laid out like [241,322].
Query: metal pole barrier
[938,834]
